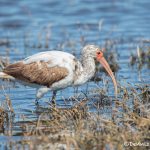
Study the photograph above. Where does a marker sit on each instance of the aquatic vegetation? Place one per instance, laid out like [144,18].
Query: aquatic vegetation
[5,110]
[141,58]
[3,62]
[78,128]
[3,115]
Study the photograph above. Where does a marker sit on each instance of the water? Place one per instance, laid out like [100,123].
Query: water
[34,26]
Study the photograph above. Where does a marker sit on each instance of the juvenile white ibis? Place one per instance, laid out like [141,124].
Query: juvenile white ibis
[55,70]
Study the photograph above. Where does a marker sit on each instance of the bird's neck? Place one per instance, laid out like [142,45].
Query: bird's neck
[86,70]
[88,65]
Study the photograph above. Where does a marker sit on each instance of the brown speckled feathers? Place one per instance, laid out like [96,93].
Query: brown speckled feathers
[36,72]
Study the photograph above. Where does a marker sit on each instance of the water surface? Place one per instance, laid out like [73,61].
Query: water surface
[28,27]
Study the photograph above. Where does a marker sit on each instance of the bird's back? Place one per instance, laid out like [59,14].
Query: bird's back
[53,57]
[44,68]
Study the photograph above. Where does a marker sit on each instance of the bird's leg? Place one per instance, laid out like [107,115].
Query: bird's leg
[37,101]
[54,98]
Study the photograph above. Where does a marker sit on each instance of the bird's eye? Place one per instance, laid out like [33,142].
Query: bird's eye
[98,53]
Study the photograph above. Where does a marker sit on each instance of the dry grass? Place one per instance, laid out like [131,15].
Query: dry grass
[3,116]
[77,128]
[141,58]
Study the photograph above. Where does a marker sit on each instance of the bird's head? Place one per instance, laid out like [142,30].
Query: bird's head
[96,53]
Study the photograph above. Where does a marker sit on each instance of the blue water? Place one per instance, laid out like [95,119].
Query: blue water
[34,26]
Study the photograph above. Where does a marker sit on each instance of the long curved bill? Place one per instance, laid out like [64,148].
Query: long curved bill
[107,67]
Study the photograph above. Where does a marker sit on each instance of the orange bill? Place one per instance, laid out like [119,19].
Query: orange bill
[104,63]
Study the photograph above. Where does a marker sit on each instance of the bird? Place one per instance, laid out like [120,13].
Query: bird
[55,70]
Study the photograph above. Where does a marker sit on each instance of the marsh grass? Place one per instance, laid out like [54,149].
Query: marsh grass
[141,58]
[78,128]
[3,116]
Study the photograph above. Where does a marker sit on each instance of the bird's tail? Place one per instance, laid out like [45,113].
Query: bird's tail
[6,76]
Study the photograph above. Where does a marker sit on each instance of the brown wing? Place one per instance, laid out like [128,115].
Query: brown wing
[36,72]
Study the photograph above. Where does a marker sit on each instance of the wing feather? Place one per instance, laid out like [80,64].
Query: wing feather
[37,72]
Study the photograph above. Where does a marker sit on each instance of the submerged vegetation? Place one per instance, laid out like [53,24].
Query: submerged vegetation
[85,125]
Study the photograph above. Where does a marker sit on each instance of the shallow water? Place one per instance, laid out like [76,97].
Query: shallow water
[30,27]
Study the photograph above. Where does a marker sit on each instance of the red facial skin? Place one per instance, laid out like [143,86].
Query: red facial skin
[102,60]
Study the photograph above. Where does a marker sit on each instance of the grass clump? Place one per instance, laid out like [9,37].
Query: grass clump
[141,58]
[78,128]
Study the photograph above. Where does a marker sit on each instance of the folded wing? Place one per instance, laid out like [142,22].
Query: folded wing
[36,72]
